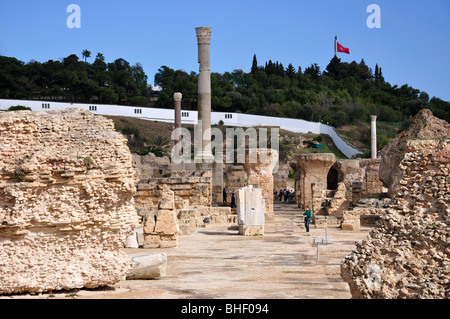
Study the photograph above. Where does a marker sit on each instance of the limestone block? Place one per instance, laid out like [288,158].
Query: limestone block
[168,241]
[188,213]
[251,230]
[351,220]
[151,241]
[220,211]
[147,266]
[181,203]
[167,201]
[166,223]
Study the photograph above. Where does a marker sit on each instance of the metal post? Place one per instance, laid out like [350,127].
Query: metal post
[317,250]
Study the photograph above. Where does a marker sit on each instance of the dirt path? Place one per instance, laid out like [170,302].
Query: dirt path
[216,262]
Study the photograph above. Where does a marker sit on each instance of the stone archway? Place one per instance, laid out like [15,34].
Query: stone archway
[314,169]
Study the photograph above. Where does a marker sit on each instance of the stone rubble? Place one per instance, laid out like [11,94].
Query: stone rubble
[408,255]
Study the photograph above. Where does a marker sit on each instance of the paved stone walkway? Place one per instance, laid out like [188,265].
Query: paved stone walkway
[215,262]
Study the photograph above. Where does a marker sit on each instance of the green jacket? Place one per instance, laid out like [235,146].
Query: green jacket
[307,214]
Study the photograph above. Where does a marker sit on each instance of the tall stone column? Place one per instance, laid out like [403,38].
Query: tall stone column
[373,138]
[204,92]
[177,96]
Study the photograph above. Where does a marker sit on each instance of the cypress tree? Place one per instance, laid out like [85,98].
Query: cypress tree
[254,65]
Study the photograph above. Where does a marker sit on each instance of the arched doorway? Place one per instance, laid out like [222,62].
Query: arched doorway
[332,179]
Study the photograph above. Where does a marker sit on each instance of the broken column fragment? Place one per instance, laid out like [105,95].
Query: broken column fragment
[251,211]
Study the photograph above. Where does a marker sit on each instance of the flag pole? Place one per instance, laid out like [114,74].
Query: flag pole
[335,46]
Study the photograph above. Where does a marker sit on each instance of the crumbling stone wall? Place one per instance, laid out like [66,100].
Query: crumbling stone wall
[408,256]
[423,126]
[66,201]
[360,176]
[149,166]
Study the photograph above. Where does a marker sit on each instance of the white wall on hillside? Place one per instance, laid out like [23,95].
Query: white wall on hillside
[190,117]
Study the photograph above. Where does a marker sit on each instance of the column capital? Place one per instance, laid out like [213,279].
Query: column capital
[373,118]
[203,35]
[177,96]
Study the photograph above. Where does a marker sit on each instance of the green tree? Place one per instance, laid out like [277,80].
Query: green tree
[290,71]
[254,65]
[86,54]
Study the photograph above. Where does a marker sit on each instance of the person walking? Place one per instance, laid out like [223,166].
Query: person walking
[307,215]
[286,195]
[224,194]
[281,195]
[233,201]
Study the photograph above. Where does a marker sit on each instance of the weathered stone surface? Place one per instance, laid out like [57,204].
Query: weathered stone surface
[351,221]
[66,201]
[423,126]
[364,172]
[260,174]
[189,188]
[408,255]
[166,223]
[250,211]
[314,169]
[147,266]
[167,199]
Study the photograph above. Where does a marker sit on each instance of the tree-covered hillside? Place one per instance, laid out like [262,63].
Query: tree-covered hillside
[341,94]
[72,80]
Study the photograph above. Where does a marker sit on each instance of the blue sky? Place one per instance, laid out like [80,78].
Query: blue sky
[412,46]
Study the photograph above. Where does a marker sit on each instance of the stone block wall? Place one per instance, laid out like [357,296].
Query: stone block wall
[199,217]
[193,187]
[66,201]
[360,176]
[161,230]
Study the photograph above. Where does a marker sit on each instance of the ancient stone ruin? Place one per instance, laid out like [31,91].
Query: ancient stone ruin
[408,255]
[67,188]
[334,189]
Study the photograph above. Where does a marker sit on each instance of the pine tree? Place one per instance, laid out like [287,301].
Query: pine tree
[290,71]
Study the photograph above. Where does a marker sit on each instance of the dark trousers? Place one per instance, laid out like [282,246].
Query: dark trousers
[307,221]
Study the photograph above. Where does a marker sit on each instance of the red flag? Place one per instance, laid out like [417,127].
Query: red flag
[340,48]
